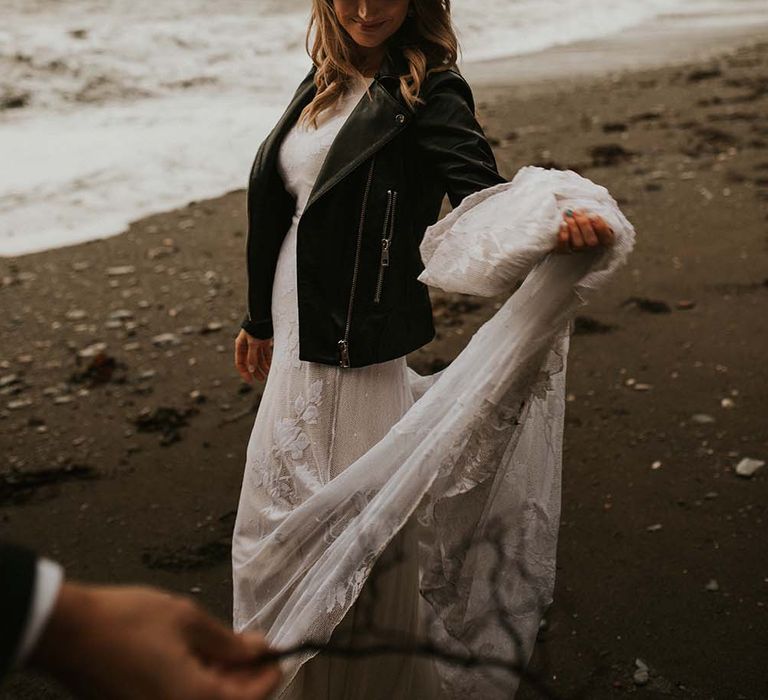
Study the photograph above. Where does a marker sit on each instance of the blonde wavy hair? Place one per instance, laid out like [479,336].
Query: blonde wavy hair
[426,39]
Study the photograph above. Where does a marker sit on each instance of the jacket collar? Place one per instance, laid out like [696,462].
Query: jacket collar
[371,124]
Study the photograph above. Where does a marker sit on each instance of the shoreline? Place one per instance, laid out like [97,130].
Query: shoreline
[659,42]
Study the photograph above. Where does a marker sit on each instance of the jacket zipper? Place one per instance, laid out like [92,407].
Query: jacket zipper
[386,240]
[344,342]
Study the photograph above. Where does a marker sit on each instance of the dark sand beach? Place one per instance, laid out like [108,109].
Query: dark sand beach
[125,466]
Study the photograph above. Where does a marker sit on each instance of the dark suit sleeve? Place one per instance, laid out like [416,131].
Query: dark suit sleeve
[17,582]
[452,141]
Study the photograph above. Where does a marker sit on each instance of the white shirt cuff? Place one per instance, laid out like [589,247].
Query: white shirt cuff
[48,580]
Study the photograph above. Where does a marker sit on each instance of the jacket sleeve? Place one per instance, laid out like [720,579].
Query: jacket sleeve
[255,327]
[17,582]
[450,139]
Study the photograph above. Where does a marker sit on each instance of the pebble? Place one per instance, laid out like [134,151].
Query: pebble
[654,527]
[120,270]
[166,340]
[712,585]
[75,315]
[702,418]
[640,676]
[131,347]
[20,403]
[748,466]
[656,465]
[92,350]
[8,379]
[727,403]
[643,387]
[120,315]
[63,399]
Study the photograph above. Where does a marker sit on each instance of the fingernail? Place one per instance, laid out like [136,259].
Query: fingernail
[569,212]
[251,368]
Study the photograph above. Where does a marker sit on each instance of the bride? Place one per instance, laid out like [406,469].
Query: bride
[370,493]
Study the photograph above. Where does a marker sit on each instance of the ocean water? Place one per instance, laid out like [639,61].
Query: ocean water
[111,110]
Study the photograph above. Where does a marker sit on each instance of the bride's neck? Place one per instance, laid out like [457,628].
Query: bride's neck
[368,60]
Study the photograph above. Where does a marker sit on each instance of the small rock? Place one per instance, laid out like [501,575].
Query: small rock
[685,304]
[197,396]
[212,327]
[656,465]
[58,400]
[747,466]
[640,676]
[160,252]
[654,527]
[121,270]
[727,403]
[639,386]
[20,403]
[702,418]
[92,350]
[75,315]
[120,315]
[166,340]
[9,379]
[712,585]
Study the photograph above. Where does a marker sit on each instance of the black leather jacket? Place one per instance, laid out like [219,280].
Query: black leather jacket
[380,186]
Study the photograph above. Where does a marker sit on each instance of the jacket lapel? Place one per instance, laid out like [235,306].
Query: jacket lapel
[370,125]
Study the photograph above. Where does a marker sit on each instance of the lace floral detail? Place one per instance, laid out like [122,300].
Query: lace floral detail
[293,346]
[284,468]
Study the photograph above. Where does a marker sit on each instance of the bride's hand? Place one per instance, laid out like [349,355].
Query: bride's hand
[581,230]
[253,356]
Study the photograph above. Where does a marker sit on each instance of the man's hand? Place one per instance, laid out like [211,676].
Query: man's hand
[253,356]
[116,643]
[580,230]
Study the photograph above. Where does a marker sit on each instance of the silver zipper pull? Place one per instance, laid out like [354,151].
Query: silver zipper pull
[385,252]
[343,353]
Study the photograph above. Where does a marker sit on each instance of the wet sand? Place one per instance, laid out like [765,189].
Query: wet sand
[127,468]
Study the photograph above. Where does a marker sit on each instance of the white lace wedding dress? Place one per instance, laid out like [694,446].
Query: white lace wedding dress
[452,478]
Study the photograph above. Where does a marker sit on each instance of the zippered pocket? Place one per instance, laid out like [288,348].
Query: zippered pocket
[386,241]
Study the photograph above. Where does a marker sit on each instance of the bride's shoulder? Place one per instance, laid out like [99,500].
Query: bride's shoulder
[446,79]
